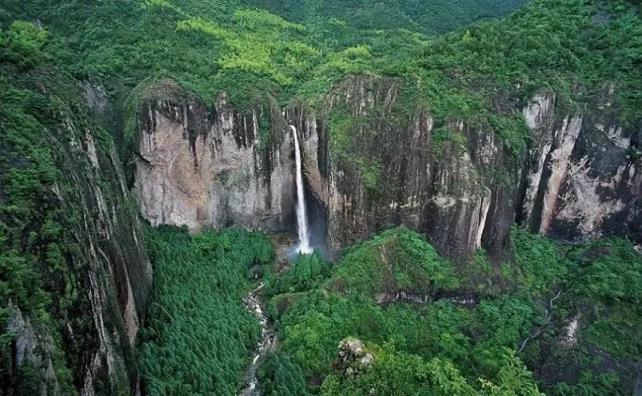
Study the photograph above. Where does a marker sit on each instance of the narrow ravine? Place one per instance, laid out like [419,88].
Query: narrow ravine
[254,304]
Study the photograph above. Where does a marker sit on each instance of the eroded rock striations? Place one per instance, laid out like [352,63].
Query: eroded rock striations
[400,174]
[375,157]
[217,167]
[579,179]
[93,279]
[583,179]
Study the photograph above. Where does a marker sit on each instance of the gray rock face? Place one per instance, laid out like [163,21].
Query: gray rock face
[112,265]
[33,349]
[218,171]
[442,191]
[580,178]
[388,164]
[584,179]
[353,357]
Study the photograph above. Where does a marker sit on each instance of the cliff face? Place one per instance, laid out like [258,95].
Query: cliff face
[84,244]
[583,178]
[374,158]
[113,265]
[402,171]
[579,179]
[214,167]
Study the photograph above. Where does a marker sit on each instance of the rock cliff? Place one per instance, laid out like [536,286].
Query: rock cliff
[198,166]
[391,171]
[578,180]
[582,179]
[66,209]
[375,157]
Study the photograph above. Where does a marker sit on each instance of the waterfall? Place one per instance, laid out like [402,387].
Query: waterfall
[301,217]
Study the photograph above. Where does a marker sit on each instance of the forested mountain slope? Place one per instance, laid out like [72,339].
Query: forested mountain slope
[472,138]
[436,16]
[396,317]
[74,273]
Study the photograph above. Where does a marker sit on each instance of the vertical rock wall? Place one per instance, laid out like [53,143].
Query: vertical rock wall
[441,191]
[374,158]
[583,178]
[214,168]
[77,331]
[580,177]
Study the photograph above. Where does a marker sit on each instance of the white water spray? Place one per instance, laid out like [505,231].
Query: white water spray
[301,217]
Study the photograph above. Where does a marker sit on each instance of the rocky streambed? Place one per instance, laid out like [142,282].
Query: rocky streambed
[254,304]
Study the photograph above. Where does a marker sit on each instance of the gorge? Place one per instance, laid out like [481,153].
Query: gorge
[320,197]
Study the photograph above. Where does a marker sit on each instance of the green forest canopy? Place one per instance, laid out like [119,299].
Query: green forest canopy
[445,348]
[208,47]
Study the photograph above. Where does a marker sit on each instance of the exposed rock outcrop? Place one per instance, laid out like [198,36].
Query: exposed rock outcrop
[580,176]
[399,174]
[374,157]
[214,167]
[34,349]
[583,179]
[353,357]
[113,263]
[88,250]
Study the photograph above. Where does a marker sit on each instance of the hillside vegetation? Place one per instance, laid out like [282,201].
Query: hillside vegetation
[200,335]
[67,228]
[569,47]
[540,317]
[435,16]
[460,338]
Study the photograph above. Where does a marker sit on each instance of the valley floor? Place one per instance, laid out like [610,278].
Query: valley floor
[560,320]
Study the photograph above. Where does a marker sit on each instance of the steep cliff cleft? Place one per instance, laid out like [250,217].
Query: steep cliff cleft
[438,135]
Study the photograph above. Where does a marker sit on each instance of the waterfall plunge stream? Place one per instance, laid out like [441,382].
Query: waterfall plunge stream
[254,304]
[301,216]
[253,301]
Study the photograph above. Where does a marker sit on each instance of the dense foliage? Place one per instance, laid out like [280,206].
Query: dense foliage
[307,272]
[451,346]
[200,335]
[570,47]
[436,16]
[564,319]
[396,260]
[28,255]
[49,187]
[278,376]
[135,40]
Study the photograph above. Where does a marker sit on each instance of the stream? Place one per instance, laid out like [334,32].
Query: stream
[254,304]
[253,301]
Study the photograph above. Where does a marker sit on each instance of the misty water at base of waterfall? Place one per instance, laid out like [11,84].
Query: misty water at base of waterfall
[253,301]
[303,246]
